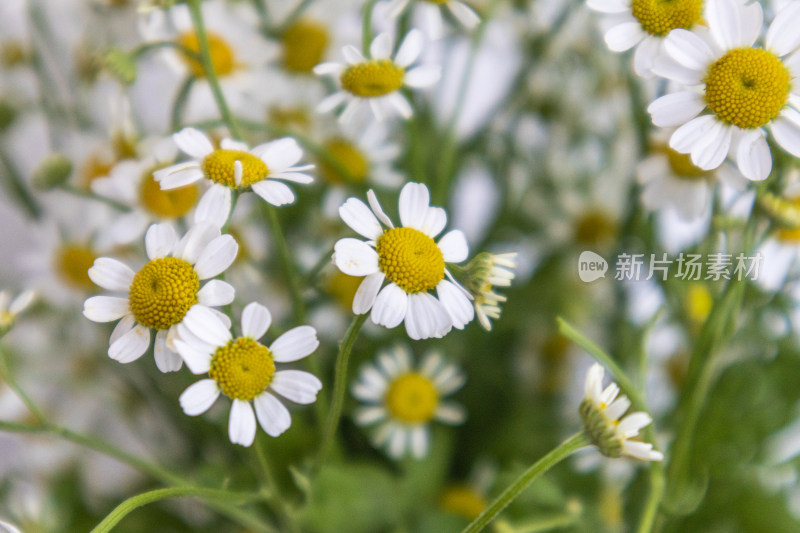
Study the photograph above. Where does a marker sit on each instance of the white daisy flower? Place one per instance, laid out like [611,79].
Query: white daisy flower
[431,12]
[742,89]
[243,369]
[162,291]
[377,80]
[11,307]
[601,410]
[235,166]
[644,24]
[412,262]
[404,400]
[360,156]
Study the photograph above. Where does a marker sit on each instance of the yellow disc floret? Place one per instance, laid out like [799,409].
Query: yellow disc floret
[371,79]
[162,292]
[410,259]
[659,17]
[219,166]
[304,44]
[412,399]
[243,368]
[72,264]
[463,500]
[747,87]
[348,158]
[173,203]
[222,56]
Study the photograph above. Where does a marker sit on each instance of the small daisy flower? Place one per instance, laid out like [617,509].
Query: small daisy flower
[377,81]
[481,275]
[600,411]
[412,262]
[644,24]
[368,154]
[162,291]
[742,89]
[431,11]
[10,308]
[243,369]
[404,400]
[235,166]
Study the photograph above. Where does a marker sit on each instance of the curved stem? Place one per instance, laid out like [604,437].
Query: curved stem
[558,454]
[366,27]
[176,118]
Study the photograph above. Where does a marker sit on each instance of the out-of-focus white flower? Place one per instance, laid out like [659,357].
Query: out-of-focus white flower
[431,12]
[10,308]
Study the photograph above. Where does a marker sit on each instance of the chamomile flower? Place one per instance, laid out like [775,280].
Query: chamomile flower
[162,291]
[481,275]
[431,11]
[644,24]
[10,308]
[377,80]
[404,400]
[235,166]
[412,262]
[737,90]
[243,369]
[601,410]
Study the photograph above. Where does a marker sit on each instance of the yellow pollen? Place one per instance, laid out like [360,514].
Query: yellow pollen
[659,17]
[72,264]
[348,157]
[243,368]
[304,44]
[222,56]
[747,87]
[412,399]
[410,259]
[173,203]
[463,501]
[162,292]
[370,79]
[218,166]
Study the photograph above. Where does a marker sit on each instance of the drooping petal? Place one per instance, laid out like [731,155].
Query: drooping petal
[367,291]
[419,440]
[199,397]
[786,129]
[450,413]
[753,156]
[123,326]
[685,137]
[256,320]
[130,346]
[272,415]
[242,423]
[456,303]
[274,192]
[426,317]
[166,359]
[110,274]
[295,344]
[390,306]
[214,206]
[711,151]
[296,385]
[196,360]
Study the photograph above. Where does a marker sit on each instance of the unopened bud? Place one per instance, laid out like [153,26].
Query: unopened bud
[53,172]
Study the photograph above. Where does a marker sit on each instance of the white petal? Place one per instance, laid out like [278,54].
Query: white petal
[130,346]
[449,380]
[732,23]
[624,36]
[329,68]
[454,246]
[166,359]
[215,293]
[296,385]
[329,103]
[355,258]
[685,137]
[360,218]
[432,20]
[456,303]
[352,54]
[710,152]
[410,49]
[274,192]
[256,320]
[110,274]
[178,175]
[23,300]
[202,322]
[782,35]
[426,317]
[753,156]
[400,104]
[419,441]
[193,142]
[272,414]
[390,306]
[295,344]
[645,55]
[123,326]
[195,241]
[450,413]
[196,360]
[397,442]
[381,47]
[641,450]
[414,202]
[280,154]
[675,109]
[105,308]
[199,397]
[617,408]
[231,144]
[350,110]
[367,292]
[242,423]
[366,416]
[295,177]
[377,209]
[214,206]
[217,257]
[608,6]
[396,7]
[160,240]
[464,14]
[786,129]
[688,49]
[667,67]
[630,425]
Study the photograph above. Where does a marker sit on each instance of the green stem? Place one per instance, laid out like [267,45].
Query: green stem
[208,66]
[289,269]
[295,14]
[270,488]
[234,199]
[654,496]
[176,118]
[339,385]
[85,193]
[558,454]
[140,500]
[366,28]
[144,48]
[314,272]
[18,188]
[5,374]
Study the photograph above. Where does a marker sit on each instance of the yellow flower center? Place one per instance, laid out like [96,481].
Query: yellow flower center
[410,259]
[374,78]
[412,399]
[698,303]
[289,117]
[594,228]
[659,17]
[348,158]
[97,165]
[747,87]
[304,44]
[173,203]
[222,56]
[243,368]
[463,501]
[343,288]
[12,53]
[218,166]
[162,292]
[682,166]
[72,264]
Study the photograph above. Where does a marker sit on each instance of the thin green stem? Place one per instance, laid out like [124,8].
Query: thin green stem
[8,376]
[144,48]
[17,187]
[366,27]
[289,269]
[235,193]
[325,259]
[270,488]
[654,496]
[295,14]
[182,96]
[339,385]
[85,193]
[558,454]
